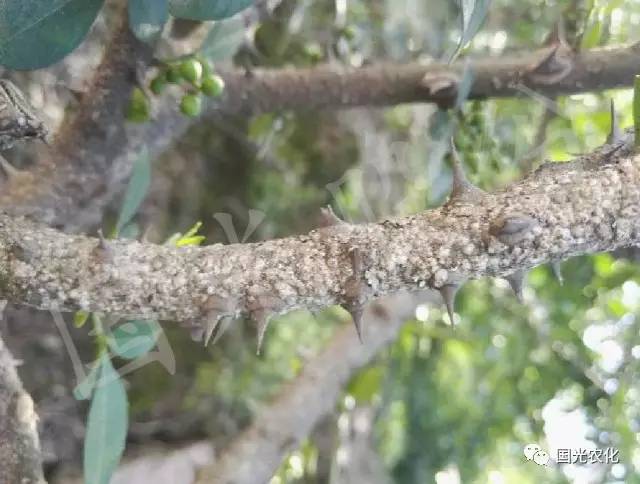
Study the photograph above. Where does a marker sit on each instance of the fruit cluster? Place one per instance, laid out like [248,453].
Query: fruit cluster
[195,75]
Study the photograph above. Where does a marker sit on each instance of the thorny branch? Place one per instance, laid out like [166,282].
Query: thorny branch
[71,190]
[588,205]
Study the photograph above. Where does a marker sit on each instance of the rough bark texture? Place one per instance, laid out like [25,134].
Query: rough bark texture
[550,71]
[60,185]
[20,460]
[591,204]
[71,190]
[257,452]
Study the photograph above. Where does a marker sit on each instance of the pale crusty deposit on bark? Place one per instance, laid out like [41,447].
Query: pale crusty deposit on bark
[591,204]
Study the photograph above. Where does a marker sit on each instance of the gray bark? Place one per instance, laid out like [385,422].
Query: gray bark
[20,460]
[589,205]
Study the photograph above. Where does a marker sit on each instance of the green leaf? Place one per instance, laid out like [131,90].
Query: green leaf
[106,426]
[133,339]
[464,86]
[79,318]
[136,190]
[147,18]
[207,9]
[83,390]
[592,35]
[223,40]
[473,13]
[37,33]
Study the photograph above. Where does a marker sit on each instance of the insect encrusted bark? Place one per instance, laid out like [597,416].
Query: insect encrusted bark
[588,205]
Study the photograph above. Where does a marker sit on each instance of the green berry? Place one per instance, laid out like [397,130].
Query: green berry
[207,67]
[349,32]
[173,74]
[212,86]
[191,70]
[313,51]
[191,105]
[158,84]
[138,110]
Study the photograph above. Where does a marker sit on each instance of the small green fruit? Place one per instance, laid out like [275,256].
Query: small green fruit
[207,67]
[191,105]
[158,84]
[173,74]
[191,70]
[212,86]
[138,110]
[349,32]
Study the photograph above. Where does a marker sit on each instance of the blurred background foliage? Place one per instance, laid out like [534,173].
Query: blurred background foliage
[439,405]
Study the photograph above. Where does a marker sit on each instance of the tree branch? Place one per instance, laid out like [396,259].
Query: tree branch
[563,209]
[549,71]
[89,140]
[20,457]
[280,427]
[72,190]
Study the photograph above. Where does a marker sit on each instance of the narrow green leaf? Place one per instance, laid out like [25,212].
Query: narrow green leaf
[207,9]
[223,40]
[464,86]
[636,111]
[83,390]
[147,18]
[130,231]
[133,339]
[38,33]
[136,190]
[473,13]
[106,426]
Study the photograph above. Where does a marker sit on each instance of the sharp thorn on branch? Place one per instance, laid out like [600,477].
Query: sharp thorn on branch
[615,133]
[223,326]
[328,217]
[103,243]
[461,190]
[262,320]
[356,312]
[557,271]
[516,281]
[211,326]
[448,293]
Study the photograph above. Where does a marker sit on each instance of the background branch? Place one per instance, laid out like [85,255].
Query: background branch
[280,427]
[20,458]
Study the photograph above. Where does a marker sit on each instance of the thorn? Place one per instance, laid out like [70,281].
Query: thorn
[103,244]
[223,326]
[461,190]
[557,271]
[448,293]
[212,325]
[356,312]
[328,217]
[262,320]
[516,281]
[615,133]
[354,290]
